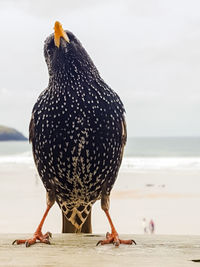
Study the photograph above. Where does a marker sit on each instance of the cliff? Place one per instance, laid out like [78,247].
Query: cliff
[10,134]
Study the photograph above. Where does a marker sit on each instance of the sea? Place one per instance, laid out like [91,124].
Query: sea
[141,153]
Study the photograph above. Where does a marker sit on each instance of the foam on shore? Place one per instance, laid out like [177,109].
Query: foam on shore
[129,164]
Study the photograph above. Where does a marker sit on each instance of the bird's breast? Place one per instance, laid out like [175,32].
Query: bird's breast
[78,142]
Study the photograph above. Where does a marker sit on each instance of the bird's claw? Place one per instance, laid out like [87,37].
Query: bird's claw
[49,234]
[27,244]
[116,243]
[133,242]
[98,242]
[114,239]
[37,236]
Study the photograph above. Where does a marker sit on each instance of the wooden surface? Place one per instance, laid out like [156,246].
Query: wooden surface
[80,250]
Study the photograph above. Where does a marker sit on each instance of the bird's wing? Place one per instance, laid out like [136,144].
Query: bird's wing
[107,187]
[110,182]
[32,125]
[124,139]
[32,136]
[124,135]
[31,129]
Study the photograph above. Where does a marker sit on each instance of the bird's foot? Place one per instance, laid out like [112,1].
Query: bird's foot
[37,236]
[113,238]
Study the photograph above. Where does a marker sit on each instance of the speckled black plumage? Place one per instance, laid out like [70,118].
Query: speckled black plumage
[77,130]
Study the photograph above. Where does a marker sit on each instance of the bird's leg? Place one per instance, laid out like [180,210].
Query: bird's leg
[112,237]
[38,233]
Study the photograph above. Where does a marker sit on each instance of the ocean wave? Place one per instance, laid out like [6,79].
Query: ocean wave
[160,163]
[128,163]
[25,158]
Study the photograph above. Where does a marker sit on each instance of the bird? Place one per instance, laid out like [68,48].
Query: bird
[78,134]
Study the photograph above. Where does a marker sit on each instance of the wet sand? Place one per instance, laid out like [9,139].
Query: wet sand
[80,250]
[170,198]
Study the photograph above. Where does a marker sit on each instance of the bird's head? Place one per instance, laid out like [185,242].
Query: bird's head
[62,51]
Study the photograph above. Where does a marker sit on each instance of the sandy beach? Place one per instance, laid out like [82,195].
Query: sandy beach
[170,197]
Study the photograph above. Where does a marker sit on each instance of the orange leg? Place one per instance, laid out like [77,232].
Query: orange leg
[114,237]
[38,233]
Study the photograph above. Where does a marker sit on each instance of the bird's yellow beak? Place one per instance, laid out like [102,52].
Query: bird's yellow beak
[58,33]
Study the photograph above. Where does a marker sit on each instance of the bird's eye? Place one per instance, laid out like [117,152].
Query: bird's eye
[48,52]
[50,47]
[66,49]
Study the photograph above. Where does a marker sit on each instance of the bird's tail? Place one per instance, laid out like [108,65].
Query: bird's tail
[68,227]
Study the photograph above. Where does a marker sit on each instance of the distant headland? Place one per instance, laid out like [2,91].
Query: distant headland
[10,134]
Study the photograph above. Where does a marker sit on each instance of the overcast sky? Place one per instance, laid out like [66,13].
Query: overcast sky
[148,51]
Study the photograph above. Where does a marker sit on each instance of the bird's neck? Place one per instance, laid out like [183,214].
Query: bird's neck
[72,76]
[58,78]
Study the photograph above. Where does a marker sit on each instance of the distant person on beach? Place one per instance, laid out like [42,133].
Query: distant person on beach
[151,227]
[144,222]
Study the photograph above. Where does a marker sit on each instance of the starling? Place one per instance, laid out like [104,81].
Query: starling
[78,134]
